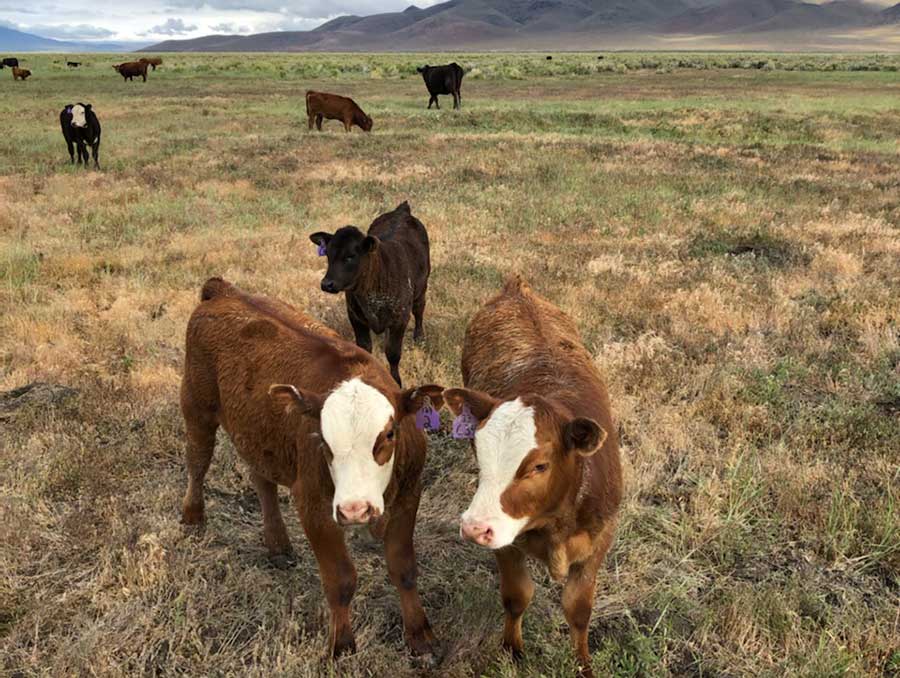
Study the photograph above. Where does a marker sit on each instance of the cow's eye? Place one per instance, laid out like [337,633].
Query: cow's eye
[389,435]
[540,468]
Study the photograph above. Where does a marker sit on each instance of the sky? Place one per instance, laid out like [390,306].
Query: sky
[156,20]
[151,21]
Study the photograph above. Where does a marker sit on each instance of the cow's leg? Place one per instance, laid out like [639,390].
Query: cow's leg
[348,124]
[71,146]
[578,600]
[516,591]
[401,562]
[275,535]
[419,315]
[459,98]
[311,121]
[455,100]
[319,119]
[83,155]
[360,327]
[437,103]
[200,430]
[393,349]
[336,571]
[144,75]
[96,149]
[432,100]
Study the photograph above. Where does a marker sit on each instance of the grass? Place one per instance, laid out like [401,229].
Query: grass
[726,238]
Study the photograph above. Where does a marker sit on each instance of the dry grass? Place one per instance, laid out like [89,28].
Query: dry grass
[727,241]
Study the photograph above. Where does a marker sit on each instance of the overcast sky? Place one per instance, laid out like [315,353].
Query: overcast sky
[154,20]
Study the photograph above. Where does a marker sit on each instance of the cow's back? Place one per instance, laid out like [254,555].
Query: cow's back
[519,342]
[406,238]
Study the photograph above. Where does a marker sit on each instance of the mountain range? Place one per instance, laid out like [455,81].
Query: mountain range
[584,24]
[14,41]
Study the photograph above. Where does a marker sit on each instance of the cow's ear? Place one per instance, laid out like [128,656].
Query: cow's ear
[369,244]
[289,400]
[321,238]
[480,404]
[584,436]
[413,399]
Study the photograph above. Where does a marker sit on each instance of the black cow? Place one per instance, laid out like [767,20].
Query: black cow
[81,128]
[9,61]
[73,64]
[443,80]
[384,274]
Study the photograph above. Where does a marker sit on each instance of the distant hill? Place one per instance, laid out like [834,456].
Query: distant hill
[13,41]
[580,24]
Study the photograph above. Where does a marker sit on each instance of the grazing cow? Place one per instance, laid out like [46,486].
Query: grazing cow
[130,69]
[549,58]
[153,61]
[443,80]
[550,481]
[321,105]
[9,61]
[81,128]
[73,64]
[311,412]
[384,275]
[20,73]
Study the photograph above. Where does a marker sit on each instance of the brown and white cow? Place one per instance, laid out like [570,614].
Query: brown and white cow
[318,415]
[20,73]
[550,481]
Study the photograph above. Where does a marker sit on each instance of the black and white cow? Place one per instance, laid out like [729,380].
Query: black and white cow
[81,128]
[9,61]
[443,80]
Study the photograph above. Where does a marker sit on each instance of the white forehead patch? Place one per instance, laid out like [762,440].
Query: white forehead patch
[352,417]
[501,444]
[78,116]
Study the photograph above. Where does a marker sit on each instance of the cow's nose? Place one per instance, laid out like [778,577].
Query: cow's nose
[328,286]
[354,512]
[480,533]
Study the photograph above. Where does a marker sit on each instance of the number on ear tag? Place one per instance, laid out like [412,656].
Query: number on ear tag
[427,419]
[464,425]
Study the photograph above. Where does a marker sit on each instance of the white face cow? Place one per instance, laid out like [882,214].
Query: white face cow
[79,119]
[526,450]
[359,425]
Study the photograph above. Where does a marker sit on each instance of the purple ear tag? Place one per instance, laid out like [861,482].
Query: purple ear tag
[320,250]
[427,419]
[464,425]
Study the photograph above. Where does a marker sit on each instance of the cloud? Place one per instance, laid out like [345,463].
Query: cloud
[69,31]
[172,27]
[229,28]
[299,8]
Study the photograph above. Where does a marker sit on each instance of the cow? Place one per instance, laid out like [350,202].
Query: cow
[153,61]
[384,276]
[20,73]
[132,68]
[321,105]
[550,480]
[311,412]
[443,80]
[81,128]
[9,61]
[73,64]
[549,58]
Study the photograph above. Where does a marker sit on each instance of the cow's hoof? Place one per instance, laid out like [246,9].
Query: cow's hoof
[346,645]
[283,561]
[423,662]
[516,653]
[192,516]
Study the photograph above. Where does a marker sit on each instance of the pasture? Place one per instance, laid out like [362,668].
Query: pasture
[726,235]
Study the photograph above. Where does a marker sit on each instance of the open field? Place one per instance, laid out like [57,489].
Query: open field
[728,241]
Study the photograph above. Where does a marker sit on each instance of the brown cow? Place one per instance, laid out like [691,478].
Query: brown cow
[321,105]
[550,481]
[132,68]
[384,274]
[314,413]
[20,73]
[153,61]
